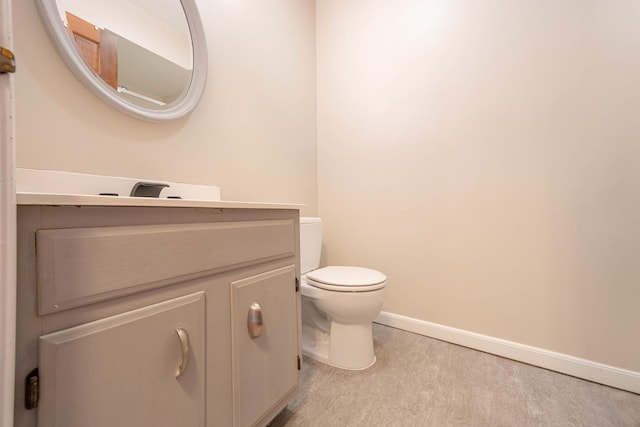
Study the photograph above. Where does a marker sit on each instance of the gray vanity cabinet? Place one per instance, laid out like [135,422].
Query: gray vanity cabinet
[156,316]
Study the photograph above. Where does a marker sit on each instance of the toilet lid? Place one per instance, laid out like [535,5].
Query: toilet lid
[347,279]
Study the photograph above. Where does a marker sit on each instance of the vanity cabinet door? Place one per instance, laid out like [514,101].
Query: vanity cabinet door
[265,358]
[123,370]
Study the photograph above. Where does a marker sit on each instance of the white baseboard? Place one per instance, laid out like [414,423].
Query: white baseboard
[563,363]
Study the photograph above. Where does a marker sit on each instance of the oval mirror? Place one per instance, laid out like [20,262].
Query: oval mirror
[146,58]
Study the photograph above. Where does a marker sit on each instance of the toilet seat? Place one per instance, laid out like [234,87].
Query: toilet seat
[347,279]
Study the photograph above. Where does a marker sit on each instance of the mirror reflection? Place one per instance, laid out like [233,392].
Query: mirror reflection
[140,48]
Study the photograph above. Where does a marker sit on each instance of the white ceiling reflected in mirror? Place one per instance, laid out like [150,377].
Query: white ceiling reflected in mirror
[147,58]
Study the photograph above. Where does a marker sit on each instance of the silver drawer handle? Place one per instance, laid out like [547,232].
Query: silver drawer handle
[254,321]
[183,336]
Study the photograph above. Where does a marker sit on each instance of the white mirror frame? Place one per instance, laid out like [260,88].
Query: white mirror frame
[175,110]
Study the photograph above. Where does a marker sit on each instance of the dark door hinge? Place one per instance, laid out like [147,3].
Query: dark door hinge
[32,389]
[299,363]
[297,284]
[7,61]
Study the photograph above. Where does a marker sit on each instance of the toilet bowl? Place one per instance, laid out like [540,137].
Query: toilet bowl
[338,305]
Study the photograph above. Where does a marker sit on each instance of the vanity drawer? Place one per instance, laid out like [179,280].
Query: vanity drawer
[78,266]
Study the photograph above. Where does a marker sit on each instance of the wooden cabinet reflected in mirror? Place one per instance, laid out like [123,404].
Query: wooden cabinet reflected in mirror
[97,48]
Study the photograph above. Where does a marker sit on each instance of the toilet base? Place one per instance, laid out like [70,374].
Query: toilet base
[346,347]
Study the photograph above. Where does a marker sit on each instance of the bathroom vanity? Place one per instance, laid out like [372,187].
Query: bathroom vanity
[150,312]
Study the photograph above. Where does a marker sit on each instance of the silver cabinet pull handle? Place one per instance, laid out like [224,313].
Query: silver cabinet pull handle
[254,321]
[185,345]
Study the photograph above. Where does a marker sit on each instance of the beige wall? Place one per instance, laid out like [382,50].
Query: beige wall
[486,156]
[253,133]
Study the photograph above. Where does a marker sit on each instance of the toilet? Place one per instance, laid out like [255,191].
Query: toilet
[338,305]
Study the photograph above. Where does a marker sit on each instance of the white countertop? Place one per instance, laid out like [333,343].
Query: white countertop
[62,188]
[86,200]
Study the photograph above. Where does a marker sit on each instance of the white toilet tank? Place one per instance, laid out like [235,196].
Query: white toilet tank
[310,243]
